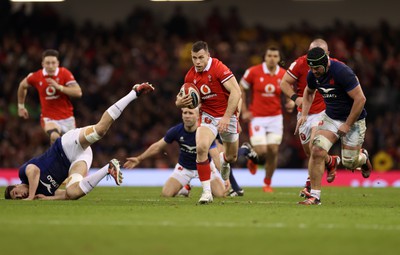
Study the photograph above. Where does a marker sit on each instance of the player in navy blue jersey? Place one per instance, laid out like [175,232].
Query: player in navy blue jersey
[344,118]
[186,169]
[69,160]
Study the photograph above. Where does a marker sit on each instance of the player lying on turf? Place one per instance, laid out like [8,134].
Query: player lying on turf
[70,158]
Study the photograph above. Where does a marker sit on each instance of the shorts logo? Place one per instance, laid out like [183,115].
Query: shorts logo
[180,168]
[207,120]
[257,128]
[321,123]
[302,136]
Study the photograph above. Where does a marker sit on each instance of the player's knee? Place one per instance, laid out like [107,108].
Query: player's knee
[168,193]
[350,159]
[202,149]
[91,134]
[73,190]
[318,152]
[73,178]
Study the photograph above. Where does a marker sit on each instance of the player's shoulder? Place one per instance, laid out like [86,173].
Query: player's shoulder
[35,76]
[302,60]
[176,129]
[217,64]
[190,73]
[258,68]
[338,66]
[37,73]
[64,71]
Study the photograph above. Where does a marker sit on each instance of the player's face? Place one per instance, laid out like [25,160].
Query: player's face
[318,71]
[50,64]
[200,59]
[189,117]
[272,58]
[19,192]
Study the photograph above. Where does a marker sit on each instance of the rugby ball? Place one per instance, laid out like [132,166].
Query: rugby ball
[193,91]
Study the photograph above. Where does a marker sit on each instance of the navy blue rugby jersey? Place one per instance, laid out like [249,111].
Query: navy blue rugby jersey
[187,145]
[54,167]
[333,87]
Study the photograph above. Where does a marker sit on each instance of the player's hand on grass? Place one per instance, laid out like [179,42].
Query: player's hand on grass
[227,185]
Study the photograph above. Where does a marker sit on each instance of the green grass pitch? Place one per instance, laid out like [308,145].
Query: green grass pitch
[136,220]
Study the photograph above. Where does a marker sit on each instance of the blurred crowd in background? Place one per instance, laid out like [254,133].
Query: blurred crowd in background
[108,61]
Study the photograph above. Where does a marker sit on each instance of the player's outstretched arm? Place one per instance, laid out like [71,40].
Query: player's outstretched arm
[60,194]
[154,149]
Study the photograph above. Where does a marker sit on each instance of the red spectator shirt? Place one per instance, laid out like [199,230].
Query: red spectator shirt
[55,105]
[214,96]
[265,90]
[299,70]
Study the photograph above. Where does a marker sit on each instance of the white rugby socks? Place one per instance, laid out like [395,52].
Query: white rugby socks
[116,109]
[89,182]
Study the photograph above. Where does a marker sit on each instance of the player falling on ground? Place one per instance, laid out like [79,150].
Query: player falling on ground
[69,158]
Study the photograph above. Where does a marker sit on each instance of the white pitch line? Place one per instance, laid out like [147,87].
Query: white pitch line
[208,224]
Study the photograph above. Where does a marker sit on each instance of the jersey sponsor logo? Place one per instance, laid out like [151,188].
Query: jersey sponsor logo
[191,148]
[188,149]
[51,93]
[53,182]
[47,185]
[325,92]
[269,90]
[206,91]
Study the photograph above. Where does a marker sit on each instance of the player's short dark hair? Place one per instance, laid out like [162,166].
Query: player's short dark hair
[50,52]
[275,48]
[317,57]
[7,192]
[199,45]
